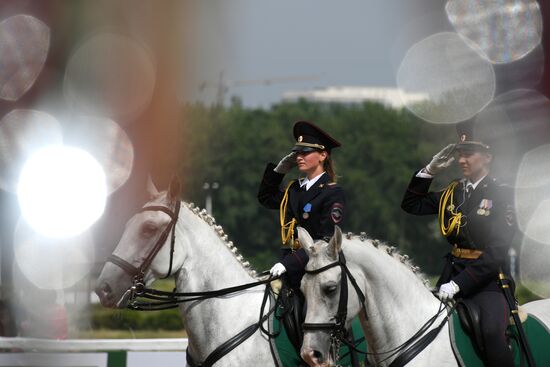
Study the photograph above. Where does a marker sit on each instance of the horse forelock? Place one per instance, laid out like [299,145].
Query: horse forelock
[319,255]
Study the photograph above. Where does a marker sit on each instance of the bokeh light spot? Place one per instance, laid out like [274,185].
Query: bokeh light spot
[50,263]
[61,191]
[533,189]
[505,30]
[22,132]
[107,142]
[534,266]
[458,81]
[24,45]
[504,125]
[110,75]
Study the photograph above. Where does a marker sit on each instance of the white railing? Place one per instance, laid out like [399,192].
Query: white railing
[85,345]
[92,352]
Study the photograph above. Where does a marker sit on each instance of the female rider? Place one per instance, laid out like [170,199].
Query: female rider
[314,202]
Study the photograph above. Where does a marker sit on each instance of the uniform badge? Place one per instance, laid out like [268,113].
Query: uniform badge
[300,139]
[337,213]
[307,209]
[485,207]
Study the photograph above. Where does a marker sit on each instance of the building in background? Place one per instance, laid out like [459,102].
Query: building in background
[388,96]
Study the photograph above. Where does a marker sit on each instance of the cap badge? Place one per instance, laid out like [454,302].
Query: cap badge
[463,137]
[300,139]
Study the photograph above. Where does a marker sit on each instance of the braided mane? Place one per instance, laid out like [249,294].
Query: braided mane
[379,245]
[209,219]
[393,252]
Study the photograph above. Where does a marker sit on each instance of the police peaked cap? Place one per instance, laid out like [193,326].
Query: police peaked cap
[467,138]
[310,137]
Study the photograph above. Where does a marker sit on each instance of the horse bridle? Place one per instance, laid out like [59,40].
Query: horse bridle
[405,352]
[337,329]
[138,273]
[171,299]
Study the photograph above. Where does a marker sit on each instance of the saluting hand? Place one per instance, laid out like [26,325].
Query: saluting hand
[286,164]
[441,160]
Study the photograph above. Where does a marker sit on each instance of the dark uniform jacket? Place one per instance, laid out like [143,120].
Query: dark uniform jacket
[487,225]
[324,204]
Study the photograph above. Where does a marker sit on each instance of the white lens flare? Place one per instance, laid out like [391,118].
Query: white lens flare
[62,191]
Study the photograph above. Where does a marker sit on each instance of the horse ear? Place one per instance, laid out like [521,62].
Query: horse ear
[174,190]
[335,243]
[305,239]
[151,188]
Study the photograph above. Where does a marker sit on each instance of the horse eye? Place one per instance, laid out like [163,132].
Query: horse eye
[148,230]
[329,289]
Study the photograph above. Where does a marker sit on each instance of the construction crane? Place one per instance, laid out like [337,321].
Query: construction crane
[222,85]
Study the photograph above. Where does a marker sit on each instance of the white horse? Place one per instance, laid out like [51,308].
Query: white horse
[397,300]
[202,260]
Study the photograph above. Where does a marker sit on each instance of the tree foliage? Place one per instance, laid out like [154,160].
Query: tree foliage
[381,149]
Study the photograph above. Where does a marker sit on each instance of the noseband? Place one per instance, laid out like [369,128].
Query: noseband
[138,272]
[337,329]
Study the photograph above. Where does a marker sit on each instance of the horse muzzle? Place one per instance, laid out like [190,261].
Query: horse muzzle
[105,294]
[315,350]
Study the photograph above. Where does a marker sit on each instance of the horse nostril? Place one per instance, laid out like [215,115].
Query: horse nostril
[318,355]
[104,289]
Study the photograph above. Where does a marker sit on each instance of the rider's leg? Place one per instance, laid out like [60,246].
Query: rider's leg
[494,321]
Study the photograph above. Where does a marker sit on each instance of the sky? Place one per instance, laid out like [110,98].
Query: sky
[320,43]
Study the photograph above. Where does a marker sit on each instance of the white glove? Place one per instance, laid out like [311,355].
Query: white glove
[286,164]
[277,270]
[447,291]
[441,160]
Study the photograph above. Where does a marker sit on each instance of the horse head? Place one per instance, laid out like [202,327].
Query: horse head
[324,285]
[146,250]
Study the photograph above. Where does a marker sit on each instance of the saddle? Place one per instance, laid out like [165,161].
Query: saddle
[293,315]
[469,316]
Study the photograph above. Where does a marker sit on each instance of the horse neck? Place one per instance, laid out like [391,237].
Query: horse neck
[209,261]
[209,264]
[397,301]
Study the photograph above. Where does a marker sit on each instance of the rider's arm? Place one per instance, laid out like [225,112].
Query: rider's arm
[270,193]
[418,199]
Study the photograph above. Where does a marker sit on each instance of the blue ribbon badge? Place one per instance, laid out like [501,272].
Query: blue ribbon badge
[307,209]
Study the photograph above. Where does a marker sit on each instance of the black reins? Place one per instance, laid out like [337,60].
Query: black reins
[162,300]
[405,352]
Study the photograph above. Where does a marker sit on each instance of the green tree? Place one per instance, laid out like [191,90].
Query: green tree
[382,147]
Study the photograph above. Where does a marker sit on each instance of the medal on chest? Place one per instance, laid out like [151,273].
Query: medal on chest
[307,210]
[485,207]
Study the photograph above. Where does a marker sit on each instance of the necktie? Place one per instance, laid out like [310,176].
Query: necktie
[469,190]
